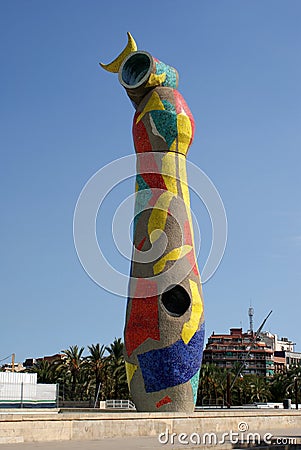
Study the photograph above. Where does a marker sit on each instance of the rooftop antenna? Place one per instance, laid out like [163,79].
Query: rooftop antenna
[251,314]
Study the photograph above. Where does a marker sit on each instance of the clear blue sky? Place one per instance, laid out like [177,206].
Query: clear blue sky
[62,118]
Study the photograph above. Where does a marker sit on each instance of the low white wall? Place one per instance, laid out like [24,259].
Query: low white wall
[88,426]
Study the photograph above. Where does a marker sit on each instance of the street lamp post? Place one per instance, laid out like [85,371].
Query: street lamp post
[296,391]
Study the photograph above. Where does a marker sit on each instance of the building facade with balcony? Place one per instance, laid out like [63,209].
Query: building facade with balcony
[282,344]
[287,359]
[230,350]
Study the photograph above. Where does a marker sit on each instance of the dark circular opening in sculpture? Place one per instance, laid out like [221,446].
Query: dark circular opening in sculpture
[135,69]
[176,301]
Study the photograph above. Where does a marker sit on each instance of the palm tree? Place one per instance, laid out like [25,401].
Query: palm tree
[115,369]
[47,372]
[82,377]
[72,366]
[278,387]
[212,385]
[238,393]
[116,349]
[283,384]
[293,376]
[259,389]
[96,364]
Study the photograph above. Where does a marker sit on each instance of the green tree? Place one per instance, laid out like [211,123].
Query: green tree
[80,377]
[72,368]
[278,387]
[96,365]
[258,389]
[47,372]
[212,384]
[115,370]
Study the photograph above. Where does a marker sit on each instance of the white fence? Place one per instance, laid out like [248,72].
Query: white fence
[18,378]
[119,404]
[25,395]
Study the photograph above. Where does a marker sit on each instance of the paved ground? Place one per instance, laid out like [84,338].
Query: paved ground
[135,443]
[143,443]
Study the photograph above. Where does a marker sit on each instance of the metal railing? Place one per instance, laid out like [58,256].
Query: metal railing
[120,404]
[218,402]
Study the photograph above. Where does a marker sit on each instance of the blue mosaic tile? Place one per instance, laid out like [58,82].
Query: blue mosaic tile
[173,365]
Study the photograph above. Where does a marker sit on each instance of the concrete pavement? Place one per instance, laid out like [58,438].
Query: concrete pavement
[137,443]
[128,430]
[143,443]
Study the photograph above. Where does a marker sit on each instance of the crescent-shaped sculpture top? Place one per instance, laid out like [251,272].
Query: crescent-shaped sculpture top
[115,65]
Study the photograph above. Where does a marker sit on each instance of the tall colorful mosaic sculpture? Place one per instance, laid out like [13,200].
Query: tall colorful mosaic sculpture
[164,330]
